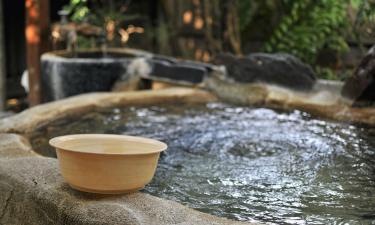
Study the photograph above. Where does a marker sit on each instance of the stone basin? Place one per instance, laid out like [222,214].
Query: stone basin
[66,74]
[33,191]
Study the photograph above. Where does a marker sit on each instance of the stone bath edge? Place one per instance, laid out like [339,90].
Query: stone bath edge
[33,191]
[31,119]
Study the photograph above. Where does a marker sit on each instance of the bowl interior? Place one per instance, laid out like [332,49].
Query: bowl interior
[108,144]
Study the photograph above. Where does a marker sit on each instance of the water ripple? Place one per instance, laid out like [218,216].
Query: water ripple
[252,164]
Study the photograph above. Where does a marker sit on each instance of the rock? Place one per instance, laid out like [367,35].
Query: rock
[14,145]
[4,114]
[360,88]
[278,69]
[252,94]
[175,71]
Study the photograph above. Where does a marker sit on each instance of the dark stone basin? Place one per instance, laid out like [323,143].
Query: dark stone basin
[66,74]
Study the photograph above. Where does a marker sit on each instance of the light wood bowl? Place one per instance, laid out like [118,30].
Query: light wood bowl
[105,163]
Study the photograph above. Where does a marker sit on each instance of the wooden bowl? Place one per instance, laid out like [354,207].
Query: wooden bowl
[105,163]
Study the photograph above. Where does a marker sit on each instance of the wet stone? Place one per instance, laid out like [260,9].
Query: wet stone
[360,88]
[279,69]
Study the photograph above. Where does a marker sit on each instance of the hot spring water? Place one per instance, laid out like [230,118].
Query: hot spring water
[245,163]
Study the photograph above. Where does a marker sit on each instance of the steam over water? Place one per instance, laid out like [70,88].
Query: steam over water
[250,164]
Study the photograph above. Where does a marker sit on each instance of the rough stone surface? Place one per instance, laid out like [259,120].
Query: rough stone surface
[13,145]
[277,69]
[4,114]
[360,88]
[324,101]
[33,192]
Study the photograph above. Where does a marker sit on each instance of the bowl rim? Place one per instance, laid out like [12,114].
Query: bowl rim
[56,142]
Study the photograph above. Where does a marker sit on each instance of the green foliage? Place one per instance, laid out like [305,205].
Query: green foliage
[330,74]
[326,73]
[245,11]
[77,10]
[83,42]
[309,26]
[365,16]
[366,10]
[111,16]
[98,12]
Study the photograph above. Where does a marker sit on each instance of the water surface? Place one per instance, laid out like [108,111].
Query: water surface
[249,164]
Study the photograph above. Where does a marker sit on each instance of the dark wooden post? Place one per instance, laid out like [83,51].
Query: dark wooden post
[37,32]
[2,60]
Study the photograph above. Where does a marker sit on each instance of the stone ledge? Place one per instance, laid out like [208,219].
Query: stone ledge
[33,192]
[35,117]
[324,101]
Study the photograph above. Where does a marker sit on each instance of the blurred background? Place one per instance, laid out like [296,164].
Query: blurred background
[330,35]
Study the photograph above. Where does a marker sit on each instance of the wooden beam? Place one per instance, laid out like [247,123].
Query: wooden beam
[37,32]
[3,74]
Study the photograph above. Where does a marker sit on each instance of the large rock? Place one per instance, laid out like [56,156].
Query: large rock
[278,69]
[360,88]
